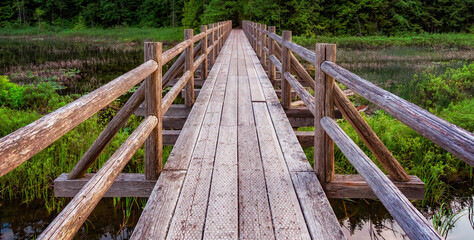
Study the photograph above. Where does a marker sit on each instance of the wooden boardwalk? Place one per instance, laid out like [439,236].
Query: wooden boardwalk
[237,169]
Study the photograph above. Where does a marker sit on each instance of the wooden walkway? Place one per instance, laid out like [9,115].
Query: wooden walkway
[237,169]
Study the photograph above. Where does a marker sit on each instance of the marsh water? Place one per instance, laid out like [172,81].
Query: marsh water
[78,66]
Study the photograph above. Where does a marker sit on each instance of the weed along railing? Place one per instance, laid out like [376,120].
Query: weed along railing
[279,52]
[24,143]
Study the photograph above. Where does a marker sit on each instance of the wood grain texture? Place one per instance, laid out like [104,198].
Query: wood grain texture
[117,122]
[354,186]
[285,67]
[271,67]
[26,142]
[320,218]
[125,185]
[454,139]
[188,65]
[413,223]
[204,51]
[301,51]
[71,218]
[153,89]
[380,151]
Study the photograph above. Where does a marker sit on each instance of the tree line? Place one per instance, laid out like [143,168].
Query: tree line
[303,17]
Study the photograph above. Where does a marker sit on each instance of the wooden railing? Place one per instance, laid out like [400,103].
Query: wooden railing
[24,143]
[279,52]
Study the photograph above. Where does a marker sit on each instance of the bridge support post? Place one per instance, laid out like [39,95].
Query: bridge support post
[271,49]
[263,39]
[211,43]
[188,65]
[153,89]
[324,106]
[285,66]
[258,36]
[204,51]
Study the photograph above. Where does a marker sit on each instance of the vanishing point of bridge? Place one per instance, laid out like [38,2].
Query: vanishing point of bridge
[237,169]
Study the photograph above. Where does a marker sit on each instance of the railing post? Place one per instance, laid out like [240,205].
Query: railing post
[271,49]
[285,67]
[264,40]
[259,47]
[324,106]
[188,65]
[204,51]
[254,45]
[211,42]
[153,84]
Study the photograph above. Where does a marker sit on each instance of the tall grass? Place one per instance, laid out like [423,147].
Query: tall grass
[118,33]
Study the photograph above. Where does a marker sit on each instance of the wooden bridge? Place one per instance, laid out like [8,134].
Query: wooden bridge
[237,169]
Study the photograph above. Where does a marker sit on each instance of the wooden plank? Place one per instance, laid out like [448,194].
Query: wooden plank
[255,87]
[71,218]
[288,219]
[189,217]
[320,218]
[222,217]
[413,223]
[153,90]
[170,137]
[354,186]
[454,139]
[125,185]
[305,138]
[154,220]
[24,143]
[182,151]
[285,133]
[271,49]
[252,189]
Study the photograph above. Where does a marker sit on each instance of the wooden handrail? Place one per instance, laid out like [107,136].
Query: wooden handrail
[71,218]
[452,138]
[25,142]
[413,223]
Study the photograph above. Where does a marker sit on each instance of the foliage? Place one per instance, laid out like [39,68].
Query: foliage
[304,17]
[41,97]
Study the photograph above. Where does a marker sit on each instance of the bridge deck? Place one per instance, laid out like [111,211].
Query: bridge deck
[237,169]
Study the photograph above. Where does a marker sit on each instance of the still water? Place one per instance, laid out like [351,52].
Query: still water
[79,66]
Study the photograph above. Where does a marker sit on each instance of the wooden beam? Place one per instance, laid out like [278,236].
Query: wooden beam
[204,68]
[285,67]
[71,218]
[413,223]
[188,65]
[354,186]
[154,87]
[324,106]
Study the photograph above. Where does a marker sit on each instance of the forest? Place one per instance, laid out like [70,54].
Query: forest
[304,17]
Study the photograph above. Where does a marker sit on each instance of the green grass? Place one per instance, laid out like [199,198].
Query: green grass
[119,33]
[439,40]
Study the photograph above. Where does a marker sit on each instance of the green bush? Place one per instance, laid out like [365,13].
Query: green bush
[41,97]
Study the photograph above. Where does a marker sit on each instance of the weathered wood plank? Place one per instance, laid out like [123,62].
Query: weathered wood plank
[25,142]
[252,189]
[285,133]
[454,139]
[189,217]
[285,67]
[71,218]
[354,186]
[154,220]
[288,220]
[320,218]
[413,223]
[188,66]
[222,217]
[125,185]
